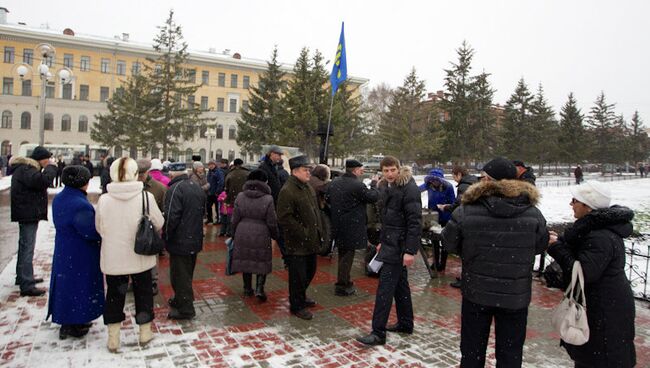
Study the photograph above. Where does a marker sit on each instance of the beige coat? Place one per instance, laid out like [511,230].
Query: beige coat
[117,217]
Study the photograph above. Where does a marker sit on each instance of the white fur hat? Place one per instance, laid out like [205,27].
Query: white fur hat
[156,164]
[131,173]
[592,193]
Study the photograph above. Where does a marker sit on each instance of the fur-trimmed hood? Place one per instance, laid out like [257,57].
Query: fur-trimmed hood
[19,160]
[503,198]
[404,177]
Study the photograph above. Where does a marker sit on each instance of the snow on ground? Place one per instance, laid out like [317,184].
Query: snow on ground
[5,183]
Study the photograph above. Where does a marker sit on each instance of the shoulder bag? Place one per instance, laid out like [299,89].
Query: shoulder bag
[570,317]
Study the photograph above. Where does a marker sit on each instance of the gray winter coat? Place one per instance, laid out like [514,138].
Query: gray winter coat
[254,225]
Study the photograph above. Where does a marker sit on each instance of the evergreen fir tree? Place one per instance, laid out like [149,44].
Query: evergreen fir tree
[601,123]
[516,133]
[405,130]
[259,125]
[544,131]
[638,140]
[349,124]
[482,140]
[572,138]
[177,116]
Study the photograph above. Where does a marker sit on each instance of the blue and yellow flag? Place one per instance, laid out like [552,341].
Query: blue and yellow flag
[340,68]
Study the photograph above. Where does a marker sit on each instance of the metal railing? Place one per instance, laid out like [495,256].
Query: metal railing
[571,181]
[637,264]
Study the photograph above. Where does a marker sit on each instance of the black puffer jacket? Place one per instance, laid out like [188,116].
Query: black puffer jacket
[184,210]
[400,210]
[461,188]
[348,198]
[273,180]
[596,240]
[29,189]
[497,231]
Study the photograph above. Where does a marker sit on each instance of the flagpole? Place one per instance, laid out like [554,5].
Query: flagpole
[327,132]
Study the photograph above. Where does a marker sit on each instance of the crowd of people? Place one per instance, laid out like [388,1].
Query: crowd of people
[491,222]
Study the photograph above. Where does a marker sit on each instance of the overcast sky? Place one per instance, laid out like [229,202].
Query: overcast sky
[578,46]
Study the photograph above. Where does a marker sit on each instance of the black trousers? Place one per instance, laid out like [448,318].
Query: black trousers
[510,331]
[439,255]
[301,272]
[116,295]
[181,274]
[346,259]
[210,203]
[393,284]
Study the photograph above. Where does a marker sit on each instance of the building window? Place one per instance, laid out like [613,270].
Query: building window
[26,120]
[133,153]
[84,91]
[233,105]
[202,153]
[204,103]
[191,100]
[49,61]
[103,94]
[233,80]
[67,91]
[68,61]
[244,105]
[203,131]
[218,155]
[28,56]
[205,77]
[120,68]
[232,133]
[222,79]
[191,75]
[220,104]
[117,151]
[5,148]
[188,154]
[155,152]
[48,124]
[49,90]
[246,82]
[6,119]
[83,124]
[105,66]
[7,86]
[27,87]
[231,155]
[84,64]
[219,131]
[9,54]
[176,154]
[135,68]
[66,123]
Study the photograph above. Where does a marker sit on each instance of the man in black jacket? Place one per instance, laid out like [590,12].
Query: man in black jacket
[269,166]
[31,178]
[183,233]
[348,198]
[497,231]
[401,219]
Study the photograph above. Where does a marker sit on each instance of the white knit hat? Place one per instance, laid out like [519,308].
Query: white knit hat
[156,164]
[592,193]
[131,167]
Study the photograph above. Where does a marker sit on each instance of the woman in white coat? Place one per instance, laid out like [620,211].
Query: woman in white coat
[117,217]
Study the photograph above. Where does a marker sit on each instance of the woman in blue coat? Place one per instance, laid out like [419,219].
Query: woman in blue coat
[440,193]
[77,284]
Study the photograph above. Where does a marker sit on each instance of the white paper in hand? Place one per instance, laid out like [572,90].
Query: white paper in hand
[375,265]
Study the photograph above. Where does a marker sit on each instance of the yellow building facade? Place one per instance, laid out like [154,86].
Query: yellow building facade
[99,66]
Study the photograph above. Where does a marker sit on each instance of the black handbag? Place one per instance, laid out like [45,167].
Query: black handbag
[554,276]
[147,240]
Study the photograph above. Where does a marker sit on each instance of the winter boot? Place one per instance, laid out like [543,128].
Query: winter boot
[113,337]
[145,333]
[248,284]
[259,288]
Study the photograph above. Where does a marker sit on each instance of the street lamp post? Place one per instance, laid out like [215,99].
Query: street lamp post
[46,51]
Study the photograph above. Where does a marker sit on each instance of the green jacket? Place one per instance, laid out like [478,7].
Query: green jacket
[234,183]
[299,217]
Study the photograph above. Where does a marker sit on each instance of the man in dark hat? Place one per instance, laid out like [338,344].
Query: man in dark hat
[497,231]
[299,219]
[234,185]
[348,198]
[269,166]
[524,172]
[31,178]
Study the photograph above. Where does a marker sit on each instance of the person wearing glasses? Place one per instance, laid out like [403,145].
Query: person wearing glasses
[497,231]
[596,240]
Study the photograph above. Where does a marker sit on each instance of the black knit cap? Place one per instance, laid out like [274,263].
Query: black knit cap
[499,168]
[351,164]
[75,176]
[258,175]
[238,162]
[299,161]
[40,153]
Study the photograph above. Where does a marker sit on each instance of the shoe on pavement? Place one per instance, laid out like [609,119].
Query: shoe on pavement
[345,291]
[37,280]
[175,314]
[303,314]
[310,302]
[372,340]
[33,292]
[457,284]
[399,329]
[248,292]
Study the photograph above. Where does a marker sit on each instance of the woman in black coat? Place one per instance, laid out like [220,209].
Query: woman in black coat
[596,240]
[254,224]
